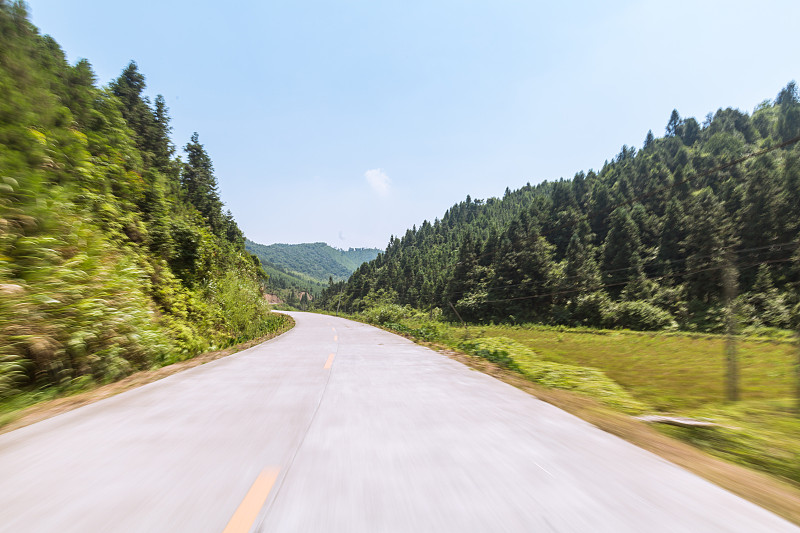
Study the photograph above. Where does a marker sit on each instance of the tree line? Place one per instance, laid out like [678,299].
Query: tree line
[116,252]
[646,242]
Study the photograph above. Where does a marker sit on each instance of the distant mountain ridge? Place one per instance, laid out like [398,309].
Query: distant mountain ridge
[317,260]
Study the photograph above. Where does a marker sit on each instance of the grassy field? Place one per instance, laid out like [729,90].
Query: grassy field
[669,372]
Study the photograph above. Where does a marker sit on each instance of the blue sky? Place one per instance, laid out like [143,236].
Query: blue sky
[350,121]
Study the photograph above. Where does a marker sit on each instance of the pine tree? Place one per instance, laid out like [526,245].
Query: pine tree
[689,131]
[581,271]
[763,203]
[622,261]
[708,233]
[673,124]
[129,88]
[160,143]
[671,238]
[523,267]
[648,140]
[199,185]
[789,116]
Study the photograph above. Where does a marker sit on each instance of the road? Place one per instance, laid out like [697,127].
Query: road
[338,426]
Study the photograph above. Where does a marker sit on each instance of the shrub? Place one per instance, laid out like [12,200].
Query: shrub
[589,381]
[498,350]
[384,313]
[590,309]
[638,315]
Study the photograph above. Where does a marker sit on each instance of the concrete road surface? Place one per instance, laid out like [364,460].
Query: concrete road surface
[338,426]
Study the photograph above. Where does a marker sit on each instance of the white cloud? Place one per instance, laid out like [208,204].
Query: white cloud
[378,180]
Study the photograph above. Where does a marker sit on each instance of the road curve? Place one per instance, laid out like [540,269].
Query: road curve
[338,426]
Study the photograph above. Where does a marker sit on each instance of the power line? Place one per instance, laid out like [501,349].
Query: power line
[622,283]
[588,215]
[724,166]
[774,247]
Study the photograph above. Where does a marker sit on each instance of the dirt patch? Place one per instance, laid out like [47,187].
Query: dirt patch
[273,299]
[51,408]
[781,498]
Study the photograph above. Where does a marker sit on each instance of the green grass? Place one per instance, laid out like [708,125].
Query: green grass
[762,434]
[669,372]
[555,375]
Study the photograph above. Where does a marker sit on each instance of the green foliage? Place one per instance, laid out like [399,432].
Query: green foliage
[762,435]
[12,373]
[588,381]
[428,331]
[638,315]
[498,350]
[107,263]
[316,269]
[515,356]
[592,308]
[652,229]
[317,261]
[385,313]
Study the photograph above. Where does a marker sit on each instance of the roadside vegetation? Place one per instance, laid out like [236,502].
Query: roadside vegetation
[644,373]
[116,254]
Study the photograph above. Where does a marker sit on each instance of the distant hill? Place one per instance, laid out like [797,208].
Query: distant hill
[311,261]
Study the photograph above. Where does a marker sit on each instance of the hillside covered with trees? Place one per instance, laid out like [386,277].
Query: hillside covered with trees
[115,252]
[698,221]
[315,260]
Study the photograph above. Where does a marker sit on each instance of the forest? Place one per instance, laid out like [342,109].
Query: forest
[695,229]
[316,261]
[116,253]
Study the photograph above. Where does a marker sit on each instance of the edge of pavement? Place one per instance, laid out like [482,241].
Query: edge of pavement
[50,408]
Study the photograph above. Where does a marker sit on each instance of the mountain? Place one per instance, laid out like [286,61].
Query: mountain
[311,261]
[703,220]
[115,255]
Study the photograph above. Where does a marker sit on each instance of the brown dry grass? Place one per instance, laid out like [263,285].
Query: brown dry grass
[50,408]
[781,498]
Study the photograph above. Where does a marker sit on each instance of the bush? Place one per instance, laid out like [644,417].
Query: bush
[384,313]
[638,315]
[590,309]
[589,381]
[498,350]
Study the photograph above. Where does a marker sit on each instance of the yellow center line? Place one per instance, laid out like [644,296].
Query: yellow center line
[329,362]
[333,329]
[248,510]
[336,338]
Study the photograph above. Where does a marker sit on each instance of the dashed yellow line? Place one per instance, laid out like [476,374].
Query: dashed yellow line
[336,338]
[248,510]
[329,362]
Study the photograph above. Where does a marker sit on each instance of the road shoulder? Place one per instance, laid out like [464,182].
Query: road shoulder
[50,408]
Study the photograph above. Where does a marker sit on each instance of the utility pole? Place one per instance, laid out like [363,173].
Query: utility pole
[466,333]
[797,374]
[729,288]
